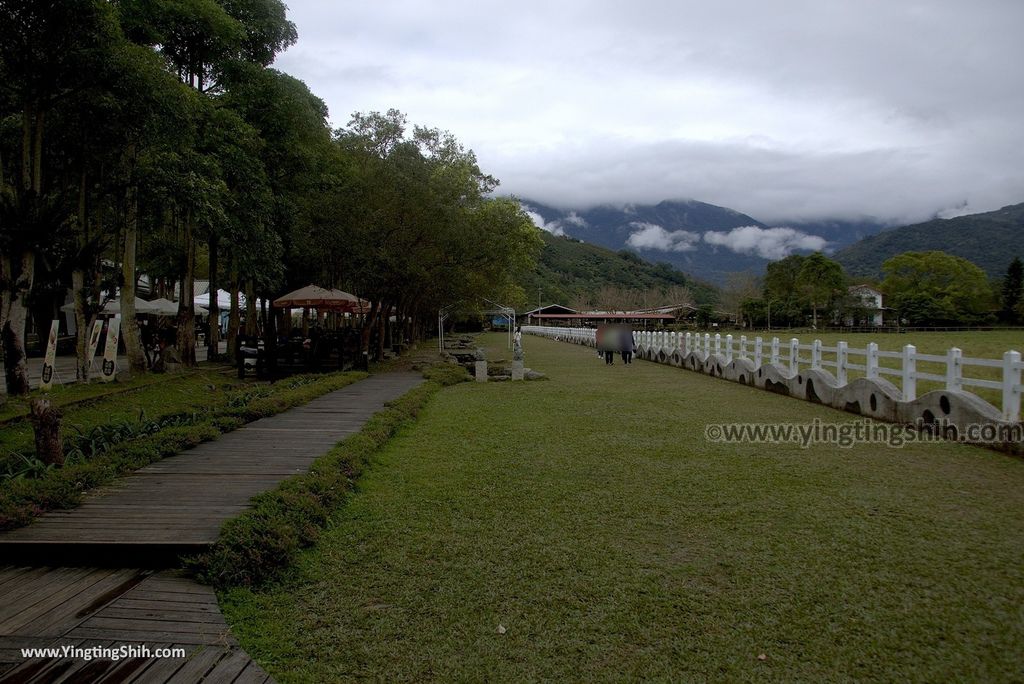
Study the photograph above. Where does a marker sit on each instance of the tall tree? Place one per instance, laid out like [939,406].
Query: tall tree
[935,288]
[49,52]
[1013,290]
[820,281]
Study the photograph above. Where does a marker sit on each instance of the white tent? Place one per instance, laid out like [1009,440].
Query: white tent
[223,300]
[114,307]
[163,307]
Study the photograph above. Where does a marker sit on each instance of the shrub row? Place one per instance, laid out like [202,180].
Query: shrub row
[258,545]
[24,498]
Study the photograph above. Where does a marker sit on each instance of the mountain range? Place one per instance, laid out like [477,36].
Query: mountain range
[991,240]
[704,240]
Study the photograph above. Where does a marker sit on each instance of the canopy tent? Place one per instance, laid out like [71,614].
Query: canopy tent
[114,307]
[163,307]
[316,297]
[223,300]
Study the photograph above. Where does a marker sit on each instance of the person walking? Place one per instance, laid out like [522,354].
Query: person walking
[627,344]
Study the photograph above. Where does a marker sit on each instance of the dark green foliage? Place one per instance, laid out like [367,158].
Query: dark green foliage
[935,288]
[257,546]
[568,268]
[446,374]
[986,240]
[1012,292]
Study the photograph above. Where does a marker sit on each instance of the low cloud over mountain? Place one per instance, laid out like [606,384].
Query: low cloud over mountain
[705,240]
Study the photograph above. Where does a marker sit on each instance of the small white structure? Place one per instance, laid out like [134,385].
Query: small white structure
[871,300]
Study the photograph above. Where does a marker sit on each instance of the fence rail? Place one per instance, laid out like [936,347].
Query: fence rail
[947,370]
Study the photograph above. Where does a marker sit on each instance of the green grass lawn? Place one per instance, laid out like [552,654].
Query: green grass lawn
[589,518]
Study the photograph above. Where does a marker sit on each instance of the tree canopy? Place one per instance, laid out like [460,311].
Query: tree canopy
[153,137]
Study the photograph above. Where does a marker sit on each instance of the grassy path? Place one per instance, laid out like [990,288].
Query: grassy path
[591,520]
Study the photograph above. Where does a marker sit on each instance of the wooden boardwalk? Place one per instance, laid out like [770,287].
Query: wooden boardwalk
[177,505]
[145,521]
[88,608]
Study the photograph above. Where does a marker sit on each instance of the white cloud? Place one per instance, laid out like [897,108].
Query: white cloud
[769,243]
[653,236]
[576,220]
[553,227]
[784,111]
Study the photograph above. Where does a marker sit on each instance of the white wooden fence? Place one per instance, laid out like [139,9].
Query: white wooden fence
[794,355]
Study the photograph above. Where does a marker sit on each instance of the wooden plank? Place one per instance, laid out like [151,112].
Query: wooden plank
[64,616]
[135,613]
[197,665]
[162,669]
[253,674]
[154,636]
[37,587]
[229,667]
[45,598]
[139,624]
[128,603]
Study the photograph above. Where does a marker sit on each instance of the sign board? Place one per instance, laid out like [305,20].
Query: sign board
[94,341]
[46,382]
[109,370]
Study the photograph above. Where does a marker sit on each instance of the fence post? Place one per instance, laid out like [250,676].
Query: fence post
[758,351]
[842,355]
[743,346]
[816,354]
[871,360]
[728,348]
[1011,386]
[775,350]
[794,356]
[718,343]
[707,345]
[686,344]
[909,372]
[954,369]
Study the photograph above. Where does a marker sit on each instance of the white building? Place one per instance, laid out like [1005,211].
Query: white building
[871,300]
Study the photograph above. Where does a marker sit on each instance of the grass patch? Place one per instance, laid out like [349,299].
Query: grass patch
[218,409]
[16,408]
[589,517]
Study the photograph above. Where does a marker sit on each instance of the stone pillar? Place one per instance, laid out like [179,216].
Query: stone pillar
[481,371]
[517,369]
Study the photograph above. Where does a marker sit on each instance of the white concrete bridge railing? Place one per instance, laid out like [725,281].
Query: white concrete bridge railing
[895,373]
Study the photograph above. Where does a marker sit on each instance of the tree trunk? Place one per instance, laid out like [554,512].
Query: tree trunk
[186,305]
[235,315]
[81,325]
[250,308]
[46,426]
[14,318]
[382,331]
[213,337]
[129,326]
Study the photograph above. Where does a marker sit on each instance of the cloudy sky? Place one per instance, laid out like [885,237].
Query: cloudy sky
[797,109]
